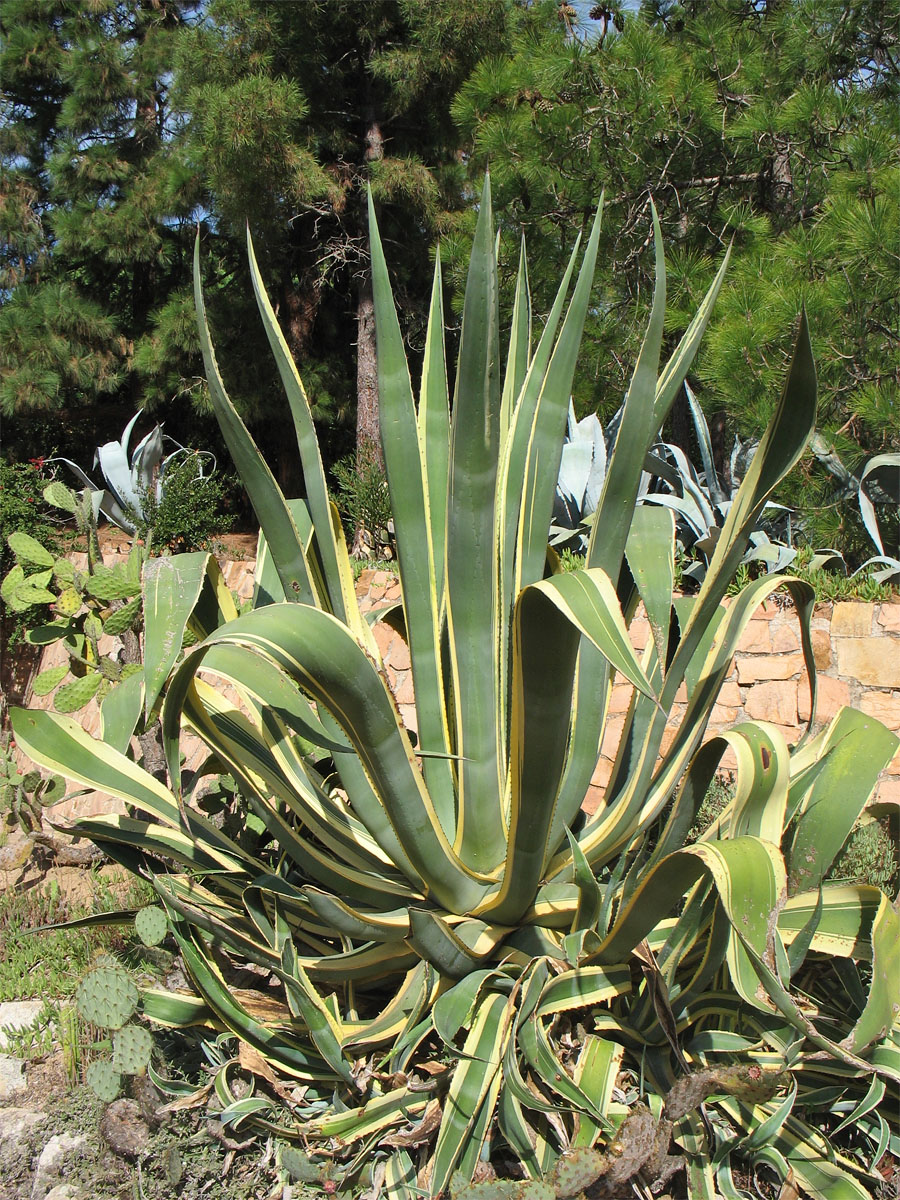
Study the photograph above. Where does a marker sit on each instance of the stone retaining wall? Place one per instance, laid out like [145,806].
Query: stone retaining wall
[856,648]
[857,654]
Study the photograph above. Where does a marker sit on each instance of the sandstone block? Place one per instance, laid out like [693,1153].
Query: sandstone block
[723,716]
[18,1014]
[602,773]
[762,668]
[730,695]
[612,735]
[15,1124]
[384,636]
[756,638]
[639,632]
[54,1160]
[12,1076]
[403,688]
[398,655]
[885,706]
[784,638]
[833,694]
[851,619]
[620,698]
[873,661]
[888,790]
[409,718]
[592,800]
[889,617]
[774,701]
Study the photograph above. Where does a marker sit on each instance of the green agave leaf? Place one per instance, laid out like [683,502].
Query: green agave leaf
[473,1088]
[417,484]
[305,1001]
[61,745]
[453,952]
[882,1008]
[779,450]
[172,587]
[335,579]
[650,551]
[120,711]
[322,656]
[855,751]
[455,1006]
[284,1053]
[471,573]
[265,495]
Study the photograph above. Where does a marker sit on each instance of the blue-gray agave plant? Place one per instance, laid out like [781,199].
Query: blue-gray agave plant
[130,480]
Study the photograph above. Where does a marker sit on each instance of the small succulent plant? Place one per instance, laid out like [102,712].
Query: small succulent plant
[25,794]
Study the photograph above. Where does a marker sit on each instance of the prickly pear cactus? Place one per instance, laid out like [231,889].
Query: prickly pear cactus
[24,794]
[107,997]
[132,1047]
[576,1171]
[83,606]
[150,925]
[299,1166]
[104,1080]
[501,1189]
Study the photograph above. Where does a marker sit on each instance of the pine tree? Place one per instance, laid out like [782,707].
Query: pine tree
[295,108]
[772,125]
[96,228]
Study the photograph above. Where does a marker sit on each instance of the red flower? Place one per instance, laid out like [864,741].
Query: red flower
[37,462]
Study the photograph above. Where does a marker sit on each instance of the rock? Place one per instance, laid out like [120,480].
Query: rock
[65,1191]
[124,1129]
[12,1076]
[18,1014]
[15,1124]
[54,1161]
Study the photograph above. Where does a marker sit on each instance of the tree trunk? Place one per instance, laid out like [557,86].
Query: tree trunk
[368,438]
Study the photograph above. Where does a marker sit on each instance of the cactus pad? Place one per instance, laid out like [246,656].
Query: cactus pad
[107,997]
[151,925]
[132,1047]
[49,679]
[60,496]
[123,617]
[576,1171]
[500,1189]
[104,1080]
[68,602]
[29,550]
[76,693]
[109,586]
[299,1166]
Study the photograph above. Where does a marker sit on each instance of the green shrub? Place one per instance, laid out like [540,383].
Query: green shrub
[23,508]
[191,513]
[364,503]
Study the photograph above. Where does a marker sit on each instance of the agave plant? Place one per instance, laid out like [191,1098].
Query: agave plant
[699,499]
[878,482]
[463,971]
[130,479]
